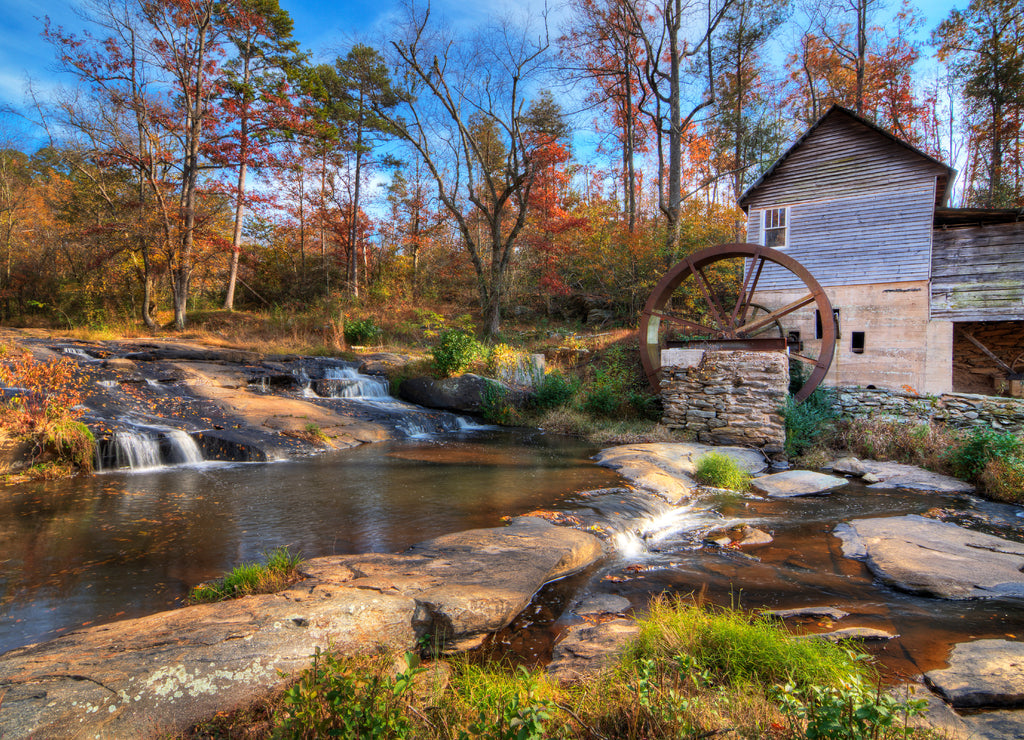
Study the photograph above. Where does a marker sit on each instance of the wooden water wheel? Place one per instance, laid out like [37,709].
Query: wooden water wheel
[707,301]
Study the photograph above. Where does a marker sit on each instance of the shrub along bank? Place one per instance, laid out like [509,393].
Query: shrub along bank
[692,672]
[39,426]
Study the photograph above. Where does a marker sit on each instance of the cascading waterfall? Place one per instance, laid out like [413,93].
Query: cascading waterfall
[146,447]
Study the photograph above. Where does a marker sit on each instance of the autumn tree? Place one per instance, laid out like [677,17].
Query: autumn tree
[602,48]
[745,130]
[462,115]
[678,40]
[255,101]
[984,47]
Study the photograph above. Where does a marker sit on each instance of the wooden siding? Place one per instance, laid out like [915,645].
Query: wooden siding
[978,273]
[879,237]
[841,158]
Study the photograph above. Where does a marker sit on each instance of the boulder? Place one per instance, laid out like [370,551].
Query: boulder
[666,469]
[464,393]
[791,483]
[997,725]
[982,673]
[926,556]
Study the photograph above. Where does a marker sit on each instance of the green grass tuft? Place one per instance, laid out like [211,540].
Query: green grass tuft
[721,471]
[279,570]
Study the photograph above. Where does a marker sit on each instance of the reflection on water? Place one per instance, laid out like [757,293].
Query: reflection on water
[119,545]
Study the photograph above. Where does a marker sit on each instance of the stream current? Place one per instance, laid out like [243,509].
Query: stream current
[117,545]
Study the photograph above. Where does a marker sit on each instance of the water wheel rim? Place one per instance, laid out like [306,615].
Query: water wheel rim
[693,265]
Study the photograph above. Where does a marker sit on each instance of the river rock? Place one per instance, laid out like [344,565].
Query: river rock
[811,612]
[898,475]
[739,536]
[982,673]
[850,633]
[157,675]
[931,557]
[602,604]
[791,483]
[666,469]
[587,649]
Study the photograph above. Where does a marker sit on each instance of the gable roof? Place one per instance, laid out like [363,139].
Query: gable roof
[942,186]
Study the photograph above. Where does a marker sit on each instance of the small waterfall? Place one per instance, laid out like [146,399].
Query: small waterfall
[639,524]
[347,382]
[146,447]
[81,354]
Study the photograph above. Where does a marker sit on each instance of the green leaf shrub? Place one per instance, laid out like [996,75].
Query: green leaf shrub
[455,351]
[362,331]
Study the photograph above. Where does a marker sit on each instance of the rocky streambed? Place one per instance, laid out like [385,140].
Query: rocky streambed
[870,552]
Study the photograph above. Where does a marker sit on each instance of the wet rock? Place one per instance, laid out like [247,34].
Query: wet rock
[847,465]
[603,604]
[464,393]
[812,612]
[742,535]
[850,633]
[931,557]
[792,483]
[157,675]
[666,469]
[982,673]
[587,649]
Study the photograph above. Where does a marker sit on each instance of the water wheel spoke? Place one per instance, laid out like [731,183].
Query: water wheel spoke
[775,315]
[746,296]
[804,358]
[717,313]
[692,326]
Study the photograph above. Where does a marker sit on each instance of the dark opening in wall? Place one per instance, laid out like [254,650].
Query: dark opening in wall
[818,330]
[857,342]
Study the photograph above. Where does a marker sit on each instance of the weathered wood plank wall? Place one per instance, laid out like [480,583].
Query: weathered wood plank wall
[861,207]
[978,273]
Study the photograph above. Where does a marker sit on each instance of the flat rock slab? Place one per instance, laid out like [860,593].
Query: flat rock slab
[997,725]
[791,483]
[898,475]
[982,673]
[667,469]
[588,649]
[603,604]
[930,557]
[157,675]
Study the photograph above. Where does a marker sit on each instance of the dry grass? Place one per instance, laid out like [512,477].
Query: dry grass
[925,445]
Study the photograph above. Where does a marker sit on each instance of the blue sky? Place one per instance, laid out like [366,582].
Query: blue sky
[324,27]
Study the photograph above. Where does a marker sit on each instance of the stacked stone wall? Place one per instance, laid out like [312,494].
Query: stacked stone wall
[959,410]
[729,397]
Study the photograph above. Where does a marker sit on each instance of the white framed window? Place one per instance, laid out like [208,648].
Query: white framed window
[775,227]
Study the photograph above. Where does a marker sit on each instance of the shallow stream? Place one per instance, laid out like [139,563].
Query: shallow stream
[121,544]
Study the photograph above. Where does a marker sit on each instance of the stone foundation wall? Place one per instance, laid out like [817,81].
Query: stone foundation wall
[960,410]
[727,397]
